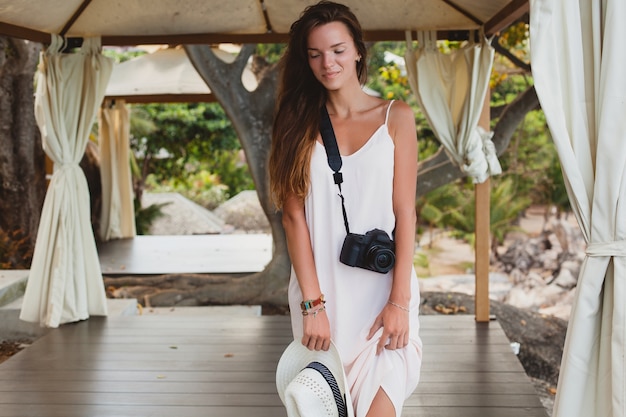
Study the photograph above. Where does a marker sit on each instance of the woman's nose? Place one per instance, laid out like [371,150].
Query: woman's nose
[327,60]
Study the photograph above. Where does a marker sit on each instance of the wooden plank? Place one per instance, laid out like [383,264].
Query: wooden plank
[473,400]
[154,386]
[143,399]
[461,386]
[91,410]
[196,366]
[125,375]
[472,412]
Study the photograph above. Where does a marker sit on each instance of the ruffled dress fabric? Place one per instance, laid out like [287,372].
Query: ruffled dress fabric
[355,296]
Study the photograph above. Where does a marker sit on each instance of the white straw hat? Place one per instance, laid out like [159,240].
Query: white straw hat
[312,383]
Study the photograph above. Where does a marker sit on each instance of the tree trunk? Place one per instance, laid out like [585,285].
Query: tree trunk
[251,114]
[22,163]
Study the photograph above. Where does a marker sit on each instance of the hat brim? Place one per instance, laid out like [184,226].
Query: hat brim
[296,357]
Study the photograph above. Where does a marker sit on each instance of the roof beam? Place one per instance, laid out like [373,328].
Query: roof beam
[24,33]
[215,38]
[210,38]
[464,12]
[74,17]
[505,17]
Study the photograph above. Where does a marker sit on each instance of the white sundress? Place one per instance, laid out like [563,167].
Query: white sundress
[355,296]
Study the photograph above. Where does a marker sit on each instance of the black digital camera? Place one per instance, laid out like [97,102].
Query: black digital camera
[374,251]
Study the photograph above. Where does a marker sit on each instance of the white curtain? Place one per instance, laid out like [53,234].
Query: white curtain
[450,89]
[65,281]
[117,218]
[578,60]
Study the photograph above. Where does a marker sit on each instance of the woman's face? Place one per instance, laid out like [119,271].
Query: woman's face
[332,55]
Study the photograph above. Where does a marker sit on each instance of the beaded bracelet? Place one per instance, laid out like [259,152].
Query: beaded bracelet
[314,312]
[399,306]
[309,304]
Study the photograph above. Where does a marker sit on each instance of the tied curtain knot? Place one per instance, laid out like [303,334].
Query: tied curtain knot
[598,249]
[481,160]
[66,166]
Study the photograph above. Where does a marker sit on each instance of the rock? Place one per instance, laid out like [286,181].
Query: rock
[521,298]
[499,284]
[244,213]
[181,216]
[544,268]
[565,279]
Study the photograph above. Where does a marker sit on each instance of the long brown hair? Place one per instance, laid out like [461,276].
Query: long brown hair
[300,98]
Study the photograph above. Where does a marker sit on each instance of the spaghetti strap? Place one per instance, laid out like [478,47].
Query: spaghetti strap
[388,109]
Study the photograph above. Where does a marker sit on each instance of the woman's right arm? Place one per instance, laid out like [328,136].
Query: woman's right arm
[316,327]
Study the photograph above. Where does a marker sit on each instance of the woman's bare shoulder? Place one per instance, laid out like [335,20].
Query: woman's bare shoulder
[401,109]
[401,117]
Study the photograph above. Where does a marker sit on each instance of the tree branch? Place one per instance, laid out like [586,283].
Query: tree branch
[506,53]
[512,116]
[439,169]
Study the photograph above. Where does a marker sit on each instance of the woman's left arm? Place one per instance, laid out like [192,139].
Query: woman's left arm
[404,188]
[395,315]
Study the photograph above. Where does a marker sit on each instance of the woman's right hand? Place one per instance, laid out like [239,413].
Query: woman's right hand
[316,331]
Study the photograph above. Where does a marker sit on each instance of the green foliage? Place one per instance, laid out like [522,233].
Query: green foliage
[506,87]
[175,141]
[16,251]
[122,54]
[453,207]
[210,182]
[506,207]
[232,171]
[516,40]
[551,189]
[435,208]
[145,216]
[141,123]
[391,82]
[387,77]
[201,186]
[422,264]
[271,52]
[184,131]
[531,161]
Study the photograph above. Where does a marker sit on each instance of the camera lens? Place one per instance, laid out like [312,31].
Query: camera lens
[381,259]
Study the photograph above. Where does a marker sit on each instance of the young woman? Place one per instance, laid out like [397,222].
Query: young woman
[371,317]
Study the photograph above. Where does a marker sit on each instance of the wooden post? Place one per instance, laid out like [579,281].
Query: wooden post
[483,233]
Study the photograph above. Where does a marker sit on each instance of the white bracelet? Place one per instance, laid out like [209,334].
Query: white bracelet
[399,306]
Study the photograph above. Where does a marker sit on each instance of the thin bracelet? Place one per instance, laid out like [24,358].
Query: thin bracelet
[314,312]
[399,306]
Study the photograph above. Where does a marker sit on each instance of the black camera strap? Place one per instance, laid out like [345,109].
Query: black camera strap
[334,157]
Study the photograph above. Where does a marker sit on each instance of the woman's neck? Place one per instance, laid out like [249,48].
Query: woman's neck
[346,102]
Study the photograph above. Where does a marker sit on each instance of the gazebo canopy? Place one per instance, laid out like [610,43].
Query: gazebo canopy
[165,75]
[133,22]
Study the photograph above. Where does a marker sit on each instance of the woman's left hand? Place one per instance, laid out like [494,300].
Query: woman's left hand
[395,323]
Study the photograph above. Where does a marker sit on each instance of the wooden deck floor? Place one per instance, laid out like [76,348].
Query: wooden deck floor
[208,366]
